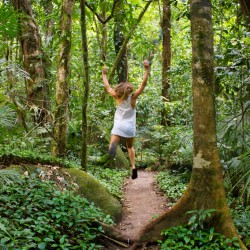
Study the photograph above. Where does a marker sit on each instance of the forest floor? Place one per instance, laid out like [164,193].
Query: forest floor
[142,202]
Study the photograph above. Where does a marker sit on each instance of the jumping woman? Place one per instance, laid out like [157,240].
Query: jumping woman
[125,115]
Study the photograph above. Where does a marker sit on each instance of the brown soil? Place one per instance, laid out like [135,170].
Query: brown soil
[142,203]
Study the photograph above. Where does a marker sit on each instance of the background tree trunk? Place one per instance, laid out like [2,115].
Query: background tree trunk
[206,187]
[48,9]
[33,62]
[166,57]
[62,84]
[119,37]
[125,42]
[245,7]
[86,81]
[104,33]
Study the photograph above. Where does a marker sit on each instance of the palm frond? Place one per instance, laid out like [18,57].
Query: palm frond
[9,24]
[239,168]
[7,116]
[8,176]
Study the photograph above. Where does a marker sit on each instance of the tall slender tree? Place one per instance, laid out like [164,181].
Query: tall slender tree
[166,56]
[62,83]
[48,9]
[104,33]
[119,37]
[86,81]
[33,62]
[206,187]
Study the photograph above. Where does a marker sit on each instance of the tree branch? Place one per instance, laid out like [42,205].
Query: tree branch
[99,17]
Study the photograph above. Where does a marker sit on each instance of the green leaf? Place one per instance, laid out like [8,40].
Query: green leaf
[42,246]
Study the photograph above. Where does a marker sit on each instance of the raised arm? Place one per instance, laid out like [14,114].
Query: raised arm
[144,80]
[106,82]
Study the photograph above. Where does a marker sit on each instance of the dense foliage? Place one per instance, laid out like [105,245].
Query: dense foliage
[35,215]
[112,179]
[173,185]
[157,147]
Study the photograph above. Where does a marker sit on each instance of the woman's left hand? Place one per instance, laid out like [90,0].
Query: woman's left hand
[146,64]
[104,70]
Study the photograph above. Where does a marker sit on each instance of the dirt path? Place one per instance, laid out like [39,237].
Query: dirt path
[141,203]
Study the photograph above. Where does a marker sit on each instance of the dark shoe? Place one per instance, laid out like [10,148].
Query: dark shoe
[134,173]
[112,150]
[124,149]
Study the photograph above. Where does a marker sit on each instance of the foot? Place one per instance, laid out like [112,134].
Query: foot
[134,173]
[112,149]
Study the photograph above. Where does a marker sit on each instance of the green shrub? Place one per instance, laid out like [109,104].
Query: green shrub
[182,237]
[172,185]
[194,235]
[35,215]
[112,179]
[241,217]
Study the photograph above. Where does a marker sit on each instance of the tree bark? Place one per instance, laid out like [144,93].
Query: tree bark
[119,37]
[245,7]
[48,9]
[166,57]
[62,83]
[101,31]
[86,81]
[49,33]
[104,33]
[206,187]
[33,62]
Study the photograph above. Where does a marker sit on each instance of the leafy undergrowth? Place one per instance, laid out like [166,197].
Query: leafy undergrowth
[17,156]
[195,236]
[36,215]
[241,217]
[182,237]
[112,179]
[173,185]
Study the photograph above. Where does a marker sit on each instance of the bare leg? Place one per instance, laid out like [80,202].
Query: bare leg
[131,154]
[114,141]
[131,151]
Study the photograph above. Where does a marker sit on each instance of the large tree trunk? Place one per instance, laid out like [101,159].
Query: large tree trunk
[85,86]
[33,62]
[166,57]
[119,37]
[62,84]
[206,188]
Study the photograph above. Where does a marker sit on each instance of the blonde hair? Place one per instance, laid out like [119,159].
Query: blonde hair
[123,90]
